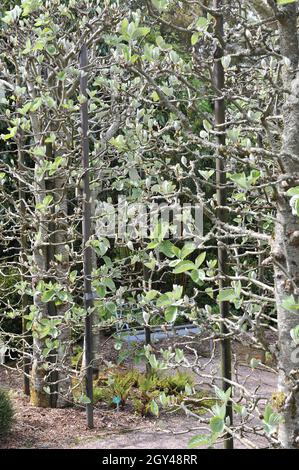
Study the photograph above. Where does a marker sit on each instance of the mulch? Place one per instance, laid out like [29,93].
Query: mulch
[58,428]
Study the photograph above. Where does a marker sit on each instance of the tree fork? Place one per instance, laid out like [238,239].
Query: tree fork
[219,82]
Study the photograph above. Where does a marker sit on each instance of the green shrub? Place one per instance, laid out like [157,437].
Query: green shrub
[144,393]
[6,413]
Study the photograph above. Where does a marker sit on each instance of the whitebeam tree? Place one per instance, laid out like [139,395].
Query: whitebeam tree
[40,47]
[154,137]
[262,128]
[285,244]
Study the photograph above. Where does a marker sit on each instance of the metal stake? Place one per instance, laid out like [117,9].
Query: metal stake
[219,82]
[86,231]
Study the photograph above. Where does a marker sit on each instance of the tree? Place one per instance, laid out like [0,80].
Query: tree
[285,252]
[157,127]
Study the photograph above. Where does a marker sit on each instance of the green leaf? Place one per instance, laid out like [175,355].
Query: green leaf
[162,44]
[154,408]
[48,295]
[271,420]
[184,266]
[200,259]
[164,399]
[239,409]
[219,411]
[39,151]
[100,246]
[177,292]
[164,301]
[195,38]
[25,109]
[207,174]
[295,334]
[61,76]
[124,26]
[166,247]
[73,275]
[210,292]
[12,15]
[187,249]
[160,231]
[226,60]
[84,400]
[143,31]
[217,424]
[150,295]
[37,103]
[197,275]
[101,291]
[108,282]
[160,4]
[153,361]
[42,206]
[223,395]
[254,363]
[168,91]
[293,191]
[30,6]
[171,314]
[202,22]
[226,295]
[152,245]
[285,2]
[240,179]
[11,134]
[51,49]
[119,143]
[28,47]
[111,307]
[199,440]
[289,303]
[267,413]
[155,96]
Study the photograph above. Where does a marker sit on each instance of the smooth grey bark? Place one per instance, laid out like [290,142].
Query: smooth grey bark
[285,251]
[50,240]
[64,384]
[39,378]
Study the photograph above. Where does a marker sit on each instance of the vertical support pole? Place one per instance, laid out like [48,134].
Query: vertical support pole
[50,257]
[147,329]
[25,297]
[147,337]
[219,82]
[86,229]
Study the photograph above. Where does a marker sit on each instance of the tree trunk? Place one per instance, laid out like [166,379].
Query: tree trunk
[39,380]
[39,376]
[285,250]
[286,257]
[286,266]
[63,362]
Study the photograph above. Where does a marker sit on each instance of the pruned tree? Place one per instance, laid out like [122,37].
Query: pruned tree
[188,102]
